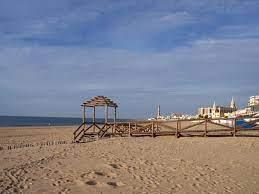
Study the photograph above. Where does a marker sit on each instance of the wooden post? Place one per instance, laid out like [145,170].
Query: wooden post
[129,129]
[113,128]
[94,114]
[84,117]
[205,128]
[153,134]
[106,114]
[114,119]
[94,118]
[115,114]
[234,127]
[177,128]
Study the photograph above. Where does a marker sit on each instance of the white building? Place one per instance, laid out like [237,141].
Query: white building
[217,111]
[253,103]
[253,107]
[253,100]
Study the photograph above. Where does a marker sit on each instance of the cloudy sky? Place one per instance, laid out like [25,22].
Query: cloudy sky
[180,54]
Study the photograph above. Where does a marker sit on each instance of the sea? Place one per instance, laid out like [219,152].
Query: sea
[12,121]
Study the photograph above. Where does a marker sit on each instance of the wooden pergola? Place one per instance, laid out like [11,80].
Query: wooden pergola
[87,129]
[99,101]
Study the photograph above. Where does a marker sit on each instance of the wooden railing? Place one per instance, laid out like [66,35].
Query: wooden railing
[77,133]
[178,128]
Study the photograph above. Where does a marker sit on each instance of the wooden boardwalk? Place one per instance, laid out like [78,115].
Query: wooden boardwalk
[178,128]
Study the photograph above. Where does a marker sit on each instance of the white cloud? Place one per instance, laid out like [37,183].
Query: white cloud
[221,60]
[238,31]
[177,18]
[218,67]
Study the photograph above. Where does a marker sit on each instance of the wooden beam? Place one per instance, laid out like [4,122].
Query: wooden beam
[157,128]
[106,114]
[234,127]
[84,115]
[97,126]
[115,115]
[94,117]
[129,130]
[220,125]
[190,126]
[166,126]
[177,128]
[153,134]
[205,128]
[94,114]
[147,127]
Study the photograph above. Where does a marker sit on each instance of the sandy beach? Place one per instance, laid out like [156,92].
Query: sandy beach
[125,165]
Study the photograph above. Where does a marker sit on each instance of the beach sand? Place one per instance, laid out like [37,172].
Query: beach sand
[125,165]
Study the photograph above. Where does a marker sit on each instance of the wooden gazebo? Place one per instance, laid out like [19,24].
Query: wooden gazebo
[88,129]
[99,101]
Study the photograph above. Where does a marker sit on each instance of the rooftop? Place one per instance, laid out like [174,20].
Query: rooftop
[99,101]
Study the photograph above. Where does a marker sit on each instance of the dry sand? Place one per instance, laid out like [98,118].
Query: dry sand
[126,165]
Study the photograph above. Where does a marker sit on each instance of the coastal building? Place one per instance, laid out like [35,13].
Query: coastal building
[253,108]
[253,103]
[176,116]
[173,116]
[241,112]
[253,100]
[217,111]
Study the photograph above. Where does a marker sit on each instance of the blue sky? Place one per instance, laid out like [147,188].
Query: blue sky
[180,54]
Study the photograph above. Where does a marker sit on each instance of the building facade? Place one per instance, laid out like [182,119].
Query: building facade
[253,107]
[253,103]
[217,111]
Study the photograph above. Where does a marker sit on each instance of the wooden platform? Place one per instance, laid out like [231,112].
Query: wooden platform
[178,128]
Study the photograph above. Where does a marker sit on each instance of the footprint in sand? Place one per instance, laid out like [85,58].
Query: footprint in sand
[99,173]
[84,175]
[79,183]
[115,166]
[112,175]
[96,174]
[176,188]
[56,183]
[91,182]
[115,184]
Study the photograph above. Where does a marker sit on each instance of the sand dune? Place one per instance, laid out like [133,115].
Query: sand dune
[127,165]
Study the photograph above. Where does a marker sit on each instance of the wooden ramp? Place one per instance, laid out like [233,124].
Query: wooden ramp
[178,128]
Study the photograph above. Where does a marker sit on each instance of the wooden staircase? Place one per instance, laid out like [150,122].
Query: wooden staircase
[82,134]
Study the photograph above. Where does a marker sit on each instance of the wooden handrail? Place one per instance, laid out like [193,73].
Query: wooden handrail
[79,128]
[77,135]
[194,125]
[219,124]
[104,131]
[171,121]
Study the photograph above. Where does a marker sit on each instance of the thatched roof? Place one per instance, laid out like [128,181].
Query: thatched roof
[99,101]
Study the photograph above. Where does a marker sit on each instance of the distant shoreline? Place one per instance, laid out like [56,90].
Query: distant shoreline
[23,121]
[38,127]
